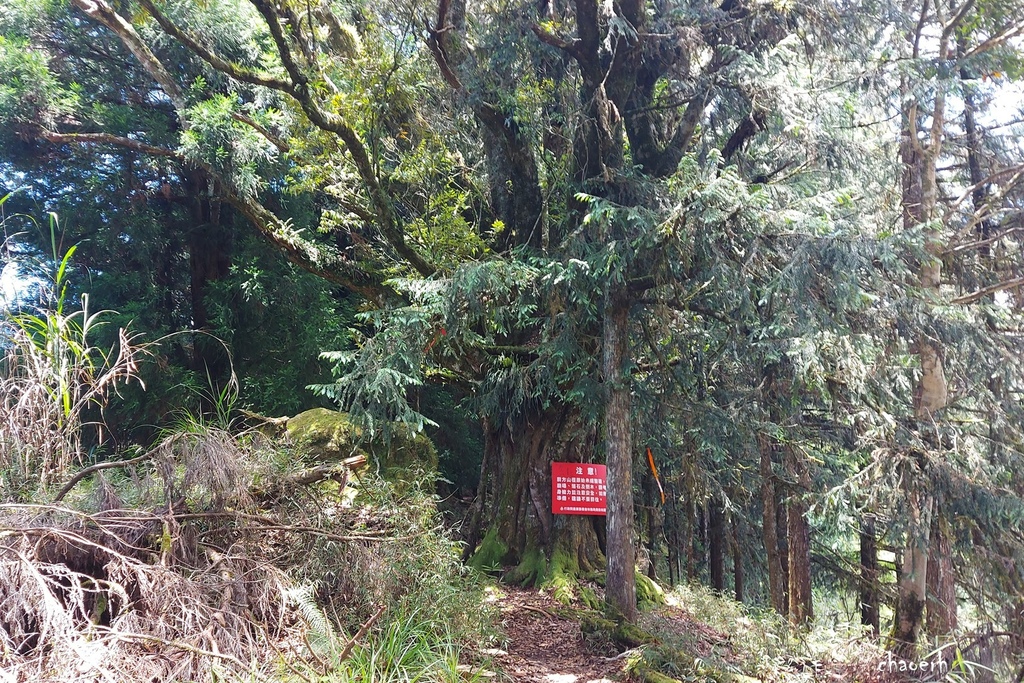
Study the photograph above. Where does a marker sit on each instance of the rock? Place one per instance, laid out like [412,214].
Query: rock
[648,593]
[325,436]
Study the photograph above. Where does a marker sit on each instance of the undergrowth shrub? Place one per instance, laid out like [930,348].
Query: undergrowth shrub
[419,574]
[187,564]
[705,635]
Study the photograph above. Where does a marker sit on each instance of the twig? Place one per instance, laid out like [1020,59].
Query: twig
[362,632]
[287,663]
[96,468]
[142,637]
[309,646]
[538,610]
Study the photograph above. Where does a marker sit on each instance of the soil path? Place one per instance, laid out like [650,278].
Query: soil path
[544,647]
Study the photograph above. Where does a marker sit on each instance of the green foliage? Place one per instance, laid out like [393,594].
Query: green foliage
[276,320]
[775,302]
[405,651]
[215,138]
[28,91]
[421,575]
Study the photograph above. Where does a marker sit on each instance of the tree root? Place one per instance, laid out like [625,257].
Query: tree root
[622,633]
[629,636]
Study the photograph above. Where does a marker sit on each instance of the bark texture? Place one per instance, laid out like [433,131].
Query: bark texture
[919,155]
[801,608]
[620,589]
[941,583]
[769,530]
[514,526]
[737,561]
[912,583]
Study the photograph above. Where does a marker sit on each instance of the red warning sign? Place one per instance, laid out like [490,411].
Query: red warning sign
[578,489]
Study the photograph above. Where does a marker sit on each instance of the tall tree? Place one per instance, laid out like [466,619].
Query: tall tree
[936,36]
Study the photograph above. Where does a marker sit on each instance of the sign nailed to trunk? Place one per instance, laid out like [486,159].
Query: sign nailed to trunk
[578,488]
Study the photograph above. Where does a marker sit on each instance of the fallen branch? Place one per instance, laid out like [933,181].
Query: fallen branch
[96,468]
[144,638]
[362,632]
[322,472]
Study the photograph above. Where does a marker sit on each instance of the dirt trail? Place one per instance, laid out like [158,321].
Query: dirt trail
[544,647]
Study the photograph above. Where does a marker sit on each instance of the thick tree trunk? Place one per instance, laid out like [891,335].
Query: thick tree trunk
[690,540]
[655,526]
[869,607]
[941,581]
[912,584]
[801,609]
[782,529]
[703,545]
[672,538]
[776,577]
[620,585]
[920,196]
[716,545]
[973,146]
[515,525]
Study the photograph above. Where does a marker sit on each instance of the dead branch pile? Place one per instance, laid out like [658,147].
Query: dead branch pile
[204,575]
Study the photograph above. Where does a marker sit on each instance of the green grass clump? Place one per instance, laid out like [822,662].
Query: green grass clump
[407,650]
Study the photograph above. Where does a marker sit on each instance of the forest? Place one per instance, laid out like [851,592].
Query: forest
[301,300]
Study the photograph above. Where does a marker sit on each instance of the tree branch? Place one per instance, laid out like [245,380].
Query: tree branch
[82,474]
[298,88]
[981,243]
[572,48]
[299,80]
[208,56]
[996,40]
[281,145]
[345,273]
[108,139]
[516,195]
[954,22]
[985,291]
[100,11]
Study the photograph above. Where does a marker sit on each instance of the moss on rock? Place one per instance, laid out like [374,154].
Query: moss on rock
[648,593]
[322,435]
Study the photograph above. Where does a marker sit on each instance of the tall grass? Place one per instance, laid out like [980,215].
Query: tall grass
[52,374]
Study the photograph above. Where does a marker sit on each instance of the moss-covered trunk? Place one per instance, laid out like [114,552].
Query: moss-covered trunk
[514,523]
